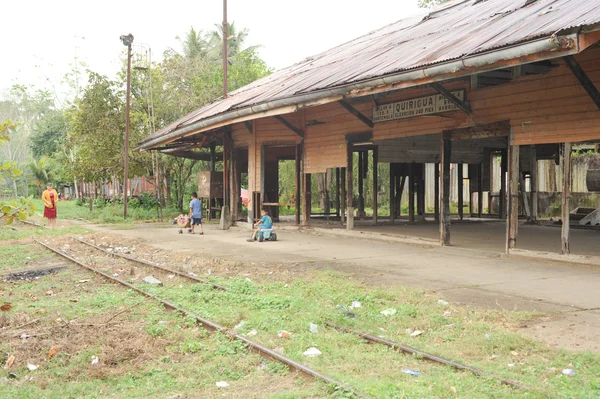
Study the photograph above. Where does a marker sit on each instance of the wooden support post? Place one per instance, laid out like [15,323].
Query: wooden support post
[411,193]
[480,192]
[420,181]
[533,183]
[566,199]
[490,203]
[445,154]
[469,176]
[400,183]
[461,181]
[503,170]
[298,195]
[337,192]
[392,195]
[361,191]
[375,190]
[306,199]
[343,194]
[436,205]
[225,221]
[349,175]
[512,220]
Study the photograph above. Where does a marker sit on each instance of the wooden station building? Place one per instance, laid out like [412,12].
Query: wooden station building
[465,83]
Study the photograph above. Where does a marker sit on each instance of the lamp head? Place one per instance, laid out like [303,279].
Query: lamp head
[127,39]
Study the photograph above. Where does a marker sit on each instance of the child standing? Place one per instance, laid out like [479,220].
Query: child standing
[196,213]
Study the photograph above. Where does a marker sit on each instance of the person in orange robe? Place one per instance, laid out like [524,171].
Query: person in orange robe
[50,198]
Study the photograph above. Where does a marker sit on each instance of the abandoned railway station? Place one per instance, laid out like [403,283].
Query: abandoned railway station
[463,104]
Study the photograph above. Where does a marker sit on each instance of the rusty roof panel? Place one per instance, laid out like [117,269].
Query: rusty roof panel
[455,30]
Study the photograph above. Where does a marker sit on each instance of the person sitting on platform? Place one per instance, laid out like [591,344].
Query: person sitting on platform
[265,223]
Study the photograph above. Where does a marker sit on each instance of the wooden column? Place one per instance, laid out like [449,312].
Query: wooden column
[411,193]
[349,175]
[490,202]
[343,194]
[225,221]
[235,184]
[480,192]
[512,219]
[375,176]
[445,154]
[503,170]
[436,183]
[461,181]
[421,191]
[566,199]
[298,194]
[361,191]
[337,192]
[392,194]
[306,199]
[533,183]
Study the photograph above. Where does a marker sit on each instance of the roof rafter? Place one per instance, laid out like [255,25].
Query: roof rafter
[583,79]
[359,115]
[287,124]
[452,98]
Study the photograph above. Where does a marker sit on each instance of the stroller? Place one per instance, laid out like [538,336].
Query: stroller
[183,221]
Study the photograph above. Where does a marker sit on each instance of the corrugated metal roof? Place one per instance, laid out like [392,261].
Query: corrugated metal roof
[455,30]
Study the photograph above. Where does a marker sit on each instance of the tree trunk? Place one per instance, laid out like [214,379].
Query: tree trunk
[323,183]
[551,177]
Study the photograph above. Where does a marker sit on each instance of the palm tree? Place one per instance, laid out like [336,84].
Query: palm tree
[41,172]
[235,41]
[194,45]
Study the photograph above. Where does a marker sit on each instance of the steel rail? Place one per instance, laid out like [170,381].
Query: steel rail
[152,264]
[33,224]
[212,326]
[426,355]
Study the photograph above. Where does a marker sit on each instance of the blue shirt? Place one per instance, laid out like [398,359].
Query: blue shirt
[266,222]
[196,207]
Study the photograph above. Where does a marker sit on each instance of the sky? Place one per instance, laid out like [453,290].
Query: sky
[40,39]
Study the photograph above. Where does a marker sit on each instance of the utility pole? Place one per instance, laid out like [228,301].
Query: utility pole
[127,41]
[225,39]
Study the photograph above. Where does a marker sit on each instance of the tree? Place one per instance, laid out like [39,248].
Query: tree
[41,172]
[430,3]
[18,208]
[49,134]
[194,44]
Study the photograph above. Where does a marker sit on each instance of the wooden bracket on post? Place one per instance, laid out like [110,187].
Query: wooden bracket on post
[248,126]
[452,98]
[287,124]
[583,79]
[359,115]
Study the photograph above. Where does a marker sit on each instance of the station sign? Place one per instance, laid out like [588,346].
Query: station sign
[416,107]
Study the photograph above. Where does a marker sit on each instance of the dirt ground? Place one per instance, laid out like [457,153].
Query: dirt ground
[565,294]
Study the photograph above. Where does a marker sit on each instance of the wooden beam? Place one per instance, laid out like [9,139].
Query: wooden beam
[298,181]
[583,79]
[248,126]
[445,154]
[337,192]
[306,199]
[461,182]
[503,174]
[359,137]
[287,124]
[359,115]
[349,190]
[512,218]
[490,130]
[343,195]
[533,182]
[411,193]
[436,188]
[480,192]
[452,98]
[392,195]
[566,199]
[375,162]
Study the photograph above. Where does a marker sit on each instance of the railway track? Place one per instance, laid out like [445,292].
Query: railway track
[212,326]
[261,349]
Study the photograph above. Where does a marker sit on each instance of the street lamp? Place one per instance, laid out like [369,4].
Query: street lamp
[127,41]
